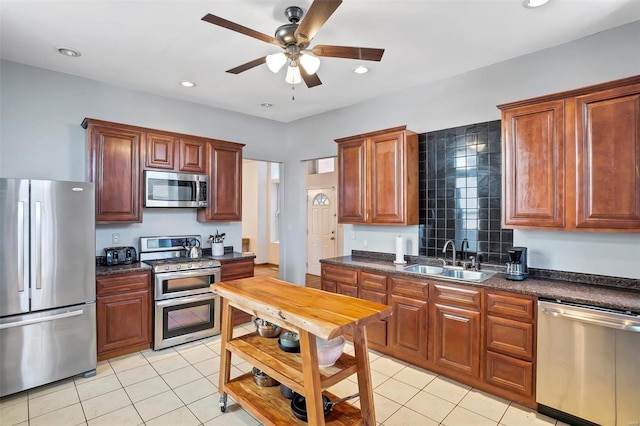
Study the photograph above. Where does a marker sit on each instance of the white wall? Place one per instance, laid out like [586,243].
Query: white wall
[254,207]
[41,137]
[471,98]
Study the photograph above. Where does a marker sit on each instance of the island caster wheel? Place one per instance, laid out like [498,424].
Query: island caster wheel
[223,403]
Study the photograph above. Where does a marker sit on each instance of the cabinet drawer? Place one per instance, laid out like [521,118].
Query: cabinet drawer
[512,337]
[371,281]
[235,270]
[412,288]
[511,305]
[509,373]
[123,283]
[347,276]
[451,294]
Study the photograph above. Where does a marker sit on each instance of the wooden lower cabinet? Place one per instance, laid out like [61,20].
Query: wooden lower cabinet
[509,373]
[123,314]
[456,338]
[481,337]
[233,271]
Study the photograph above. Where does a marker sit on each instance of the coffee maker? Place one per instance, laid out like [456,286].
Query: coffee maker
[517,265]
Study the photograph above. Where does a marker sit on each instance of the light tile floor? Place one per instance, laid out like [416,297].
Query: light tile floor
[178,387]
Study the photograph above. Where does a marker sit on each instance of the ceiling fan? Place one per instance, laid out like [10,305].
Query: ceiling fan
[295,39]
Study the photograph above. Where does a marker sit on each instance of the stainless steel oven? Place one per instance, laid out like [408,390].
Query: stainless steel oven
[184,307]
[185,319]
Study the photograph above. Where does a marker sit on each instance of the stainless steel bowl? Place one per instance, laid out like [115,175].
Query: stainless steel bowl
[267,329]
[263,379]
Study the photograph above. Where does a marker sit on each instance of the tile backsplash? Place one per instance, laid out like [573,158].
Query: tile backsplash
[461,191]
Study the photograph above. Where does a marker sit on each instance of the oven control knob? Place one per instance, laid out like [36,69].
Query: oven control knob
[200,264]
[178,266]
[211,263]
[166,268]
[189,265]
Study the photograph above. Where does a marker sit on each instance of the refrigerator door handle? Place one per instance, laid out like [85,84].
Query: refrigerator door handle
[21,264]
[42,319]
[38,257]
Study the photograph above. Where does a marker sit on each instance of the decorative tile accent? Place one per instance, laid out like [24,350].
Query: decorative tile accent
[460,192]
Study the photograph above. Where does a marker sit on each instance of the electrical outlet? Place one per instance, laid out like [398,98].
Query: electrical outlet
[115,238]
[365,243]
[353,235]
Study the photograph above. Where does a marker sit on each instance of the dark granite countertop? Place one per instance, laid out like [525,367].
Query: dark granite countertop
[622,294]
[141,266]
[102,270]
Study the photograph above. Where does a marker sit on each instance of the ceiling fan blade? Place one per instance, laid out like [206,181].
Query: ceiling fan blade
[316,16]
[349,52]
[221,22]
[248,65]
[311,80]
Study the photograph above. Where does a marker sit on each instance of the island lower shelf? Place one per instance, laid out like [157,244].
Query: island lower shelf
[285,367]
[271,408]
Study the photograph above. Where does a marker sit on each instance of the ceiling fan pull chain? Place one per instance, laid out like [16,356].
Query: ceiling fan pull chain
[293,94]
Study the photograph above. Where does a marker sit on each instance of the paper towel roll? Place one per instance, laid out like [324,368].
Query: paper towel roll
[399,250]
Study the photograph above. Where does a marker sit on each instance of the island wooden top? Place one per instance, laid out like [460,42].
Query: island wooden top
[326,315]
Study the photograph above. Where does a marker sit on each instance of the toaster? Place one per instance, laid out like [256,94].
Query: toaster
[119,256]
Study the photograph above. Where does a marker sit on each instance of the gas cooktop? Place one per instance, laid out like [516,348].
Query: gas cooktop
[175,264]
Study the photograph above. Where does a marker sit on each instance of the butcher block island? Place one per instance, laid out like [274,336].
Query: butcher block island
[311,313]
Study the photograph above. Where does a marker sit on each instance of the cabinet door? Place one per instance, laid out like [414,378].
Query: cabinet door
[533,160]
[352,182]
[124,320]
[456,339]
[191,156]
[509,373]
[373,287]
[409,326]
[234,271]
[509,336]
[608,159]
[347,290]
[225,184]
[114,166]
[160,151]
[386,169]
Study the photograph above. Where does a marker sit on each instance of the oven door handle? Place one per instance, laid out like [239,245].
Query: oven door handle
[185,299]
[187,274]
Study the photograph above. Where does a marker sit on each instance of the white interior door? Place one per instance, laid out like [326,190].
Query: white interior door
[321,227]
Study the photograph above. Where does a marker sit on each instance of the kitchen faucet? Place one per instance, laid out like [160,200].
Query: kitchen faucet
[464,246]
[453,247]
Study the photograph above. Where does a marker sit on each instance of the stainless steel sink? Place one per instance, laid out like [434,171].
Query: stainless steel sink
[459,274]
[425,269]
[466,275]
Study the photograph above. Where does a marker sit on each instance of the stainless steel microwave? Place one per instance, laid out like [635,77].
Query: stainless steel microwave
[168,189]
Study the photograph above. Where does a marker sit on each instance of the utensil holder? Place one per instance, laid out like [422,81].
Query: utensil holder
[217,249]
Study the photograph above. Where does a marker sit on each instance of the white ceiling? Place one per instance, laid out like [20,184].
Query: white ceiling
[151,45]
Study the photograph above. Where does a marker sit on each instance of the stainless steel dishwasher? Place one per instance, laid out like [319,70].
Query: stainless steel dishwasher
[588,364]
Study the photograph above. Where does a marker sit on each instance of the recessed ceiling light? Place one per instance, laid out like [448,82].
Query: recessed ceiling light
[530,4]
[67,51]
[186,83]
[266,105]
[360,69]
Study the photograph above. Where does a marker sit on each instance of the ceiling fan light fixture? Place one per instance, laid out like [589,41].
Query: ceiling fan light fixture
[276,61]
[185,83]
[309,63]
[293,75]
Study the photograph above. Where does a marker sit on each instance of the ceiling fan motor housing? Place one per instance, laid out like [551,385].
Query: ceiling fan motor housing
[286,33]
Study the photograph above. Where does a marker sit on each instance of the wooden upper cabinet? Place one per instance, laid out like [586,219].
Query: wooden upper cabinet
[192,156]
[225,183]
[114,153]
[378,178]
[572,159]
[608,159]
[533,155]
[160,151]
[351,182]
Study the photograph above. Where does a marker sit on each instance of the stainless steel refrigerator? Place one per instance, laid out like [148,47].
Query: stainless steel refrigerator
[47,282]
